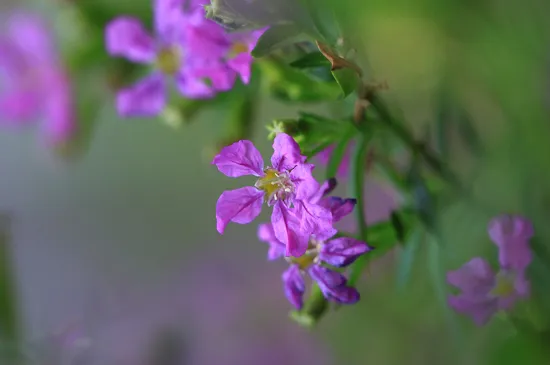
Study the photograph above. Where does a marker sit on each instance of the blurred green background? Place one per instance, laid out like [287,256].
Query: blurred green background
[120,241]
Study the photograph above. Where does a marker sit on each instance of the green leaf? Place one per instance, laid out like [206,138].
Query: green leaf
[311,60]
[324,20]
[407,256]
[9,318]
[278,36]
[291,85]
[520,348]
[338,153]
[347,79]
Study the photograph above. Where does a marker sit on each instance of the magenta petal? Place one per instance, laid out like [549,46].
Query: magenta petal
[475,277]
[333,285]
[288,230]
[60,122]
[342,251]
[286,153]
[240,159]
[241,206]
[512,234]
[267,234]
[294,286]
[306,186]
[338,207]
[145,98]
[126,37]
[242,64]
[30,34]
[315,220]
[19,106]
[169,19]
[481,311]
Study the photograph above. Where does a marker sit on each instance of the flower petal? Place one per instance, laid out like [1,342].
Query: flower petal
[328,186]
[474,278]
[343,251]
[126,37]
[286,153]
[31,35]
[338,207]
[60,122]
[19,106]
[204,80]
[315,220]
[294,286]
[241,206]
[512,234]
[306,185]
[481,311]
[239,159]
[242,64]
[169,20]
[267,234]
[145,98]
[333,285]
[286,226]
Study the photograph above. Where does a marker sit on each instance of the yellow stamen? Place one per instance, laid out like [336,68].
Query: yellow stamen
[168,60]
[237,49]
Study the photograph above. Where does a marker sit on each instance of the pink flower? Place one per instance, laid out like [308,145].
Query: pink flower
[33,83]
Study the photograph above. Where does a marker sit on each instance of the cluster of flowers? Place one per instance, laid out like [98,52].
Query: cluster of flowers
[302,219]
[33,82]
[194,53]
[483,292]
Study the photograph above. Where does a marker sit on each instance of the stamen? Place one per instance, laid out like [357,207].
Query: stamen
[169,60]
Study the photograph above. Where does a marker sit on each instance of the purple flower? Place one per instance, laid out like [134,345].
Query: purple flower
[33,83]
[512,234]
[483,292]
[208,40]
[336,252]
[189,49]
[286,186]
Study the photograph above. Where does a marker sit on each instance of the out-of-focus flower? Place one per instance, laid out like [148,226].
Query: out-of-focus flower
[33,82]
[193,52]
[343,170]
[286,186]
[336,252]
[483,293]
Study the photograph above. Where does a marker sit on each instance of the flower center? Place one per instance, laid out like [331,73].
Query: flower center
[238,48]
[504,285]
[168,60]
[309,258]
[276,185]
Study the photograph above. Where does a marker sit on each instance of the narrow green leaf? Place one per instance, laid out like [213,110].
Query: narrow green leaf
[407,257]
[9,318]
[468,133]
[311,60]
[278,36]
[292,85]
[338,153]
[323,17]
[347,79]
[398,226]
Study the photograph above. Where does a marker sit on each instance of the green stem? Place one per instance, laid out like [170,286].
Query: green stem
[358,175]
[418,149]
[9,326]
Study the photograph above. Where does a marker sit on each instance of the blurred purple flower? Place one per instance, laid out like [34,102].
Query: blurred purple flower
[336,252]
[189,49]
[286,186]
[343,170]
[483,292]
[33,82]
